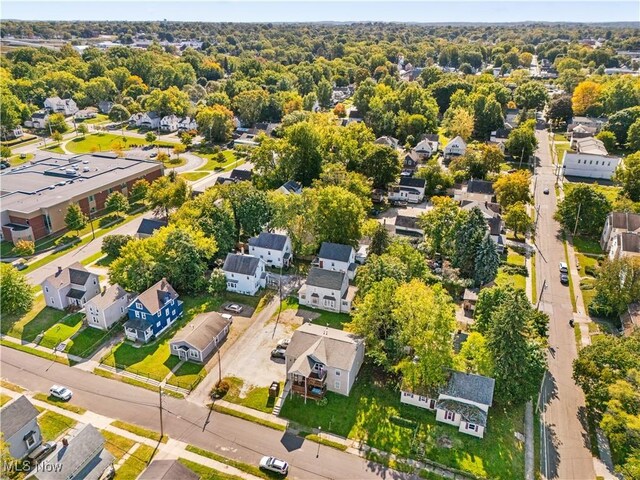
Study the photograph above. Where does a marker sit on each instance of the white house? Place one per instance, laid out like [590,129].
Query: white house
[85,114]
[187,123]
[388,141]
[463,402]
[135,118]
[589,122]
[38,120]
[409,190]
[74,285]
[274,248]
[625,244]
[424,149]
[65,106]
[589,165]
[200,337]
[320,359]
[149,120]
[337,257]
[244,273]
[327,290]
[618,222]
[105,309]
[456,147]
[169,123]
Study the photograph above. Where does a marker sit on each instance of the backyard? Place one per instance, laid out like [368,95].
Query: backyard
[508,275]
[212,159]
[374,414]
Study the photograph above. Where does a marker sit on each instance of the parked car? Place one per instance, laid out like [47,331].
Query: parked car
[564,278]
[278,352]
[564,268]
[4,164]
[234,307]
[275,465]
[546,191]
[227,317]
[153,155]
[42,451]
[284,343]
[63,393]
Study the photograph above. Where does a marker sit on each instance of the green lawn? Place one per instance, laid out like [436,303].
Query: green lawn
[4,398]
[560,149]
[101,118]
[140,431]
[207,473]
[610,191]
[173,162]
[560,137]
[102,142]
[188,375]
[6,249]
[587,245]
[245,467]
[255,397]
[11,386]
[373,413]
[517,281]
[135,464]
[85,343]
[17,160]
[116,444]
[33,351]
[59,403]
[212,159]
[516,258]
[53,148]
[52,425]
[62,330]
[193,176]
[37,320]
[585,261]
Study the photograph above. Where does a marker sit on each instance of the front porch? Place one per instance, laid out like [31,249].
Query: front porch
[312,386]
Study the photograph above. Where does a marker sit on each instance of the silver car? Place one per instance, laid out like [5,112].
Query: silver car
[63,393]
[275,465]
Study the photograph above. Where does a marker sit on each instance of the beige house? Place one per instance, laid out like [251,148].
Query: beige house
[74,286]
[320,359]
[105,309]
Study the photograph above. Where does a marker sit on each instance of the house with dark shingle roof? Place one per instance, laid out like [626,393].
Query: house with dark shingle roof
[148,226]
[618,222]
[273,248]
[71,286]
[244,273]
[19,427]
[327,290]
[338,257]
[320,359]
[291,187]
[409,189]
[152,312]
[474,190]
[463,401]
[168,470]
[406,225]
[200,337]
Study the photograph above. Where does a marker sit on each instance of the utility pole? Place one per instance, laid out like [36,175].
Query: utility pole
[575,228]
[544,285]
[161,425]
[93,233]
[219,367]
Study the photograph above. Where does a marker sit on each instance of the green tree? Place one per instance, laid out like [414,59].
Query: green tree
[217,283]
[441,223]
[167,193]
[517,219]
[531,95]
[378,268]
[633,136]
[583,210]
[24,248]
[513,188]
[617,286]
[380,240]
[119,113]
[487,262]
[74,218]
[521,143]
[117,203]
[171,101]
[381,164]
[5,152]
[248,105]
[338,215]
[99,89]
[467,242]
[620,122]
[324,91]
[608,139]
[474,356]
[437,179]
[336,174]
[628,175]
[112,245]
[139,189]
[16,294]
[250,206]
[150,137]
[57,123]
[82,129]
[459,122]
[215,123]
[560,110]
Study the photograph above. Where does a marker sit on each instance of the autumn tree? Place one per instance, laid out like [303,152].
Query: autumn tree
[587,98]
[167,193]
[459,122]
[513,188]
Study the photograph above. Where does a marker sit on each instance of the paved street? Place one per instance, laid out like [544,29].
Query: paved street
[564,454]
[188,422]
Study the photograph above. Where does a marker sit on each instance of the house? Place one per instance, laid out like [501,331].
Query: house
[64,106]
[275,249]
[106,309]
[105,107]
[411,161]
[338,257]
[511,116]
[15,132]
[496,229]
[81,456]
[409,190]
[200,337]
[591,160]
[630,320]
[424,149]
[491,213]
[480,191]
[152,312]
[455,148]
[149,120]
[580,132]
[618,222]
[187,123]
[169,123]
[463,401]
[71,286]
[470,298]
[264,127]
[327,290]
[148,226]
[406,225]
[38,120]
[320,359]
[388,141]
[85,114]
[238,175]
[624,244]
[291,187]
[500,135]
[19,427]
[135,119]
[244,273]
[168,470]
[246,139]
[591,122]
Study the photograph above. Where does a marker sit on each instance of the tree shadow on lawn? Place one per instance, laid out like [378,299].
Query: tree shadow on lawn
[39,322]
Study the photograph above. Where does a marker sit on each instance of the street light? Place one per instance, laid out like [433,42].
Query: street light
[319,438]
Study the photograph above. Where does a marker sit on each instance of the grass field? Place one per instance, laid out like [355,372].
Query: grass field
[52,425]
[188,375]
[212,159]
[85,343]
[4,398]
[116,444]
[193,176]
[103,142]
[610,191]
[373,413]
[59,403]
[255,397]
[140,431]
[16,160]
[53,148]
[135,464]
[62,330]
[245,467]
[28,325]
[207,473]
[517,280]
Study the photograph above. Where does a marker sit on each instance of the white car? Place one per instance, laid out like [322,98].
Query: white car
[564,268]
[63,393]
[283,343]
[275,465]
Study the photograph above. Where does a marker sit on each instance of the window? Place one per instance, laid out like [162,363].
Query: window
[449,415]
[95,282]
[166,311]
[137,314]
[173,312]
[590,162]
[579,161]
[193,353]
[158,324]
[46,289]
[472,427]
[432,404]
[92,198]
[248,277]
[175,347]
[30,439]
[144,316]
[422,399]
[121,309]
[336,385]
[337,373]
[139,306]
[597,162]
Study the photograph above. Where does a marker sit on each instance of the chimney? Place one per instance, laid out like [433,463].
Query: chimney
[65,442]
[104,290]
[59,270]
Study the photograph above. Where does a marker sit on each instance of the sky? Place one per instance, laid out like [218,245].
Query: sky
[313,10]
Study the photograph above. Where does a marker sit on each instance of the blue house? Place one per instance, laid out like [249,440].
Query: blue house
[152,312]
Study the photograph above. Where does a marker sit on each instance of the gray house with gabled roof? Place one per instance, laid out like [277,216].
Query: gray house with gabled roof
[74,285]
[200,337]
[274,248]
[244,273]
[337,257]
[19,427]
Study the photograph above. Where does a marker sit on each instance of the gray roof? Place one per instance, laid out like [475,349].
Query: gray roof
[168,470]
[75,293]
[148,226]
[432,137]
[242,264]
[412,182]
[470,387]
[630,242]
[495,225]
[272,241]
[470,413]
[16,415]
[404,221]
[314,343]
[109,296]
[74,274]
[156,296]
[319,277]
[480,186]
[240,175]
[292,186]
[335,251]
[201,331]
[86,446]
[625,220]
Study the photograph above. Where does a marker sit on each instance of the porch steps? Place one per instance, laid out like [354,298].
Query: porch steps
[280,402]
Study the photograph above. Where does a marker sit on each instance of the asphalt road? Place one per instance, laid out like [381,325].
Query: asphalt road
[191,423]
[564,454]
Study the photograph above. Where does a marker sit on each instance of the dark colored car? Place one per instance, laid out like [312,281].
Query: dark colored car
[278,352]
[564,278]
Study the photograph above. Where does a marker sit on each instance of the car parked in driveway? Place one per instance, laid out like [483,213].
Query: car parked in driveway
[63,393]
[234,307]
[278,352]
[283,343]
[275,465]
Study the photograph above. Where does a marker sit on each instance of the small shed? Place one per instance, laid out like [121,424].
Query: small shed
[470,298]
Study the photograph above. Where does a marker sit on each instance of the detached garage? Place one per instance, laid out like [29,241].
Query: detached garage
[200,337]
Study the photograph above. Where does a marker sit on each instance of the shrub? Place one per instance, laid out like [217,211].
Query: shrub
[24,248]
[113,244]
[512,269]
[591,270]
[220,389]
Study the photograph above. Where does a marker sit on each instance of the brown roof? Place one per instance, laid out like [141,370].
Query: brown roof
[155,297]
[167,470]
[201,331]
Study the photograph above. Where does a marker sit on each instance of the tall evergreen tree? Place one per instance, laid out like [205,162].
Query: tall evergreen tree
[468,239]
[75,219]
[486,262]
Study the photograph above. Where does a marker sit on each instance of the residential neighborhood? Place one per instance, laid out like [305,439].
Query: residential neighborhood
[264,246]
